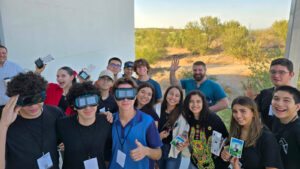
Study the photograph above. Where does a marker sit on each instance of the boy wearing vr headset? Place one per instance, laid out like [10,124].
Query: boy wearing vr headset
[27,127]
[134,133]
[86,135]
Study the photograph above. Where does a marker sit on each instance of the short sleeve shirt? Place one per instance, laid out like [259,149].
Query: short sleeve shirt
[142,128]
[265,153]
[109,104]
[27,139]
[288,137]
[212,90]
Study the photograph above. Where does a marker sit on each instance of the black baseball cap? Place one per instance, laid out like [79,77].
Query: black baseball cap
[128,64]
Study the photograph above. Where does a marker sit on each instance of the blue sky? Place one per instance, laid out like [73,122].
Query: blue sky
[254,14]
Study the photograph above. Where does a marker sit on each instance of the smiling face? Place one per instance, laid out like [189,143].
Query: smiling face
[142,70]
[196,105]
[284,106]
[199,72]
[114,66]
[144,96]
[32,111]
[280,75]
[125,104]
[87,114]
[243,115]
[63,79]
[173,97]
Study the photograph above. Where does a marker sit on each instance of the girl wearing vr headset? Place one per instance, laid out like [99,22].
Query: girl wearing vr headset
[202,124]
[56,93]
[86,135]
[172,123]
[145,100]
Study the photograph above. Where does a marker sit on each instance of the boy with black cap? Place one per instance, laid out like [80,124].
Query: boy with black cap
[128,70]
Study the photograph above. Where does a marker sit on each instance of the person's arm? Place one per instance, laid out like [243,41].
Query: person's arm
[141,151]
[249,91]
[9,115]
[39,70]
[220,105]
[173,68]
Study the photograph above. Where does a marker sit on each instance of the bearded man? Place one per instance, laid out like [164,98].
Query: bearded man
[214,93]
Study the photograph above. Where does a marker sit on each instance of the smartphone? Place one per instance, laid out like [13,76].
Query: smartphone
[84,75]
[39,63]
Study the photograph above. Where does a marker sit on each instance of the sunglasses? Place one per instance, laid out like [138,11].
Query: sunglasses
[82,102]
[115,65]
[125,93]
[31,99]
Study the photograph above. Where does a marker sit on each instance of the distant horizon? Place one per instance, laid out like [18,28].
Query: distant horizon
[253,14]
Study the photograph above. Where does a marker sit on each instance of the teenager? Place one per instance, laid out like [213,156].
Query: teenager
[260,150]
[134,134]
[27,127]
[145,100]
[86,135]
[281,73]
[142,68]
[56,93]
[172,123]
[114,65]
[202,124]
[286,125]
[107,101]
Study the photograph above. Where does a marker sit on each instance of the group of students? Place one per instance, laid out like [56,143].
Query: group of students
[112,123]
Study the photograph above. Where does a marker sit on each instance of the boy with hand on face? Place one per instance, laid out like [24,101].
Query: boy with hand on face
[286,125]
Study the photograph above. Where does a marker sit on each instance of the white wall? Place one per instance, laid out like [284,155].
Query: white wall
[76,32]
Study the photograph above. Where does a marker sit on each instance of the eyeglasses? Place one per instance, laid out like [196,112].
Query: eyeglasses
[115,65]
[125,93]
[82,102]
[280,72]
[31,99]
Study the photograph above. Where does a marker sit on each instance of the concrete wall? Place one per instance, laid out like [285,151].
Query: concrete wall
[76,32]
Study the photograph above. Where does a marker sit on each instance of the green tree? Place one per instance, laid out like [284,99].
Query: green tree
[211,28]
[235,39]
[279,29]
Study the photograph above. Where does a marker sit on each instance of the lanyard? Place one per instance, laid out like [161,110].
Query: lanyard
[122,143]
[41,144]
[88,149]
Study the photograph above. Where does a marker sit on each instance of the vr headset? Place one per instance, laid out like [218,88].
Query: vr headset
[86,100]
[31,99]
[125,93]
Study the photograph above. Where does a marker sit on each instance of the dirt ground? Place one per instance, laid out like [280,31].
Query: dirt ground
[227,71]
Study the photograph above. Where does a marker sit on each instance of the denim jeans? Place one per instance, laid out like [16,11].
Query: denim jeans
[168,162]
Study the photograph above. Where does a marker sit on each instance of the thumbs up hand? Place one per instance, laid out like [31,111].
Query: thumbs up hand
[140,152]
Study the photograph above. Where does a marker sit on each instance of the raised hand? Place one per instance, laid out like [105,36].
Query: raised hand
[249,91]
[40,70]
[139,153]
[175,64]
[9,112]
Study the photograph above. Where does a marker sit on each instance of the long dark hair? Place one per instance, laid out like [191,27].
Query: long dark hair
[203,116]
[149,106]
[175,113]
[70,71]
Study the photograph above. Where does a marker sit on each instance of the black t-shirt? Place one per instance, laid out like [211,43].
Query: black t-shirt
[288,137]
[263,101]
[164,117]
[152,113]
[63,104]
[200,141]
[108,104]
[265,153]
[27,139]
[84,142]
